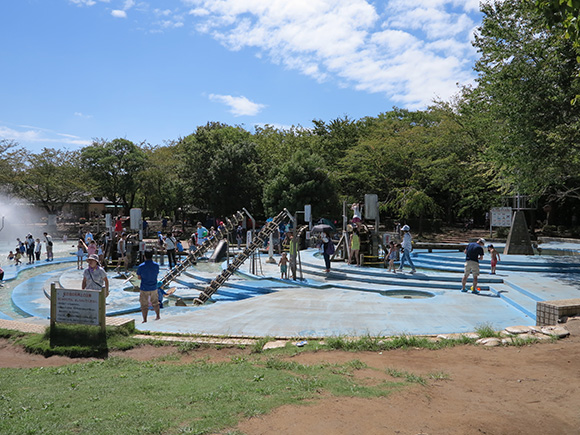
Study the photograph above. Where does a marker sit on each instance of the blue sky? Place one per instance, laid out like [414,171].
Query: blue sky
[76,70]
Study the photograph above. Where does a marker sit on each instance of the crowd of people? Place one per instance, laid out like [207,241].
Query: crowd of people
[30,250]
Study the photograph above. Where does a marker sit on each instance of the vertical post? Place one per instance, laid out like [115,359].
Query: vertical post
[102,313]
[52,310]
[344,216]
[271,249]
[293,246]
[249,240]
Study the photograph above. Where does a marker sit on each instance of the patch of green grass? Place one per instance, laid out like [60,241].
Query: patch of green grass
[486,331]
[78,341]
[9,333]
[105,395]
[439,376]
[409,377]
[374,344]
[519,341]
[258,347]
[188,346]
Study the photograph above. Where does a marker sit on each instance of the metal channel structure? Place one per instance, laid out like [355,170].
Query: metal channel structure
[210,242]
[259,240]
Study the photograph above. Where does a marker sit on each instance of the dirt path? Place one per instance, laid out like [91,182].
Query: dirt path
[503,390]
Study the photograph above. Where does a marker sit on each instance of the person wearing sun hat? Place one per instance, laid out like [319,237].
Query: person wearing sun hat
[407,245]
[94,276]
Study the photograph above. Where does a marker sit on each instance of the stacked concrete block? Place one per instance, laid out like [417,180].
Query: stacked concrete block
[549,312]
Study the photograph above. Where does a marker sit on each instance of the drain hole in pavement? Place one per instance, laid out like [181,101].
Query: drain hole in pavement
[407,294]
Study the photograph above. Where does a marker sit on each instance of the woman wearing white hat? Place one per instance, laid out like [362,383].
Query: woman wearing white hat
[94,276]
[407,248]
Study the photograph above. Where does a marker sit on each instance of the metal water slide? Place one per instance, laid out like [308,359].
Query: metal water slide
[258,241]
[210,242]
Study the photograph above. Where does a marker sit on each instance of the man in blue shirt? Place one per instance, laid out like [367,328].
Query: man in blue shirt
[473,253]
[147,272]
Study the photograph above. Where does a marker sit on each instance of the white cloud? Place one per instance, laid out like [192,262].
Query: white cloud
[412,52]
[27,134]
[118,13]
[239,106]
[83,2]
[88,2]
[82,115]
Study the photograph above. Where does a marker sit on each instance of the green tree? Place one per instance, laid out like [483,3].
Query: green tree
[527,78]
[10,158]
[220,169]
[50,179]
[160,192]
[275,145]
[562,16]
[335,138]
[115,168]
[424,151]
[301,180]
[410,202]
[234,175]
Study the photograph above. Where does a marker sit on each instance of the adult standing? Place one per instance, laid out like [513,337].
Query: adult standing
[37,249]
[407,245]
[30,248]
[355,247]
[119,225]
[122,252]
[170,245]
[88,237]
[473,253]
[94,276]
[49,254]
[147,272]
[201,233]
[327,249]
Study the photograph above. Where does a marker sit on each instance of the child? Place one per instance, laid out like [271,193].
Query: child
[494,258]
[392,256]
[81,248]
[91,248]
[283,263]
[10,256]
[17,256]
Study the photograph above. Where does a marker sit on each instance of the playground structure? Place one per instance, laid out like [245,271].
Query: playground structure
[258,241]
[212,242]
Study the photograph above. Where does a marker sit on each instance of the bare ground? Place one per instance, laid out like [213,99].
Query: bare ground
[529,390]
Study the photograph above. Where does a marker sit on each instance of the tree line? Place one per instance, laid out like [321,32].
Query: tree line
[515,131]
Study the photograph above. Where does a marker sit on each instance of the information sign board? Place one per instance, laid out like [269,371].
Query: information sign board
[501,217]
[77,306]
